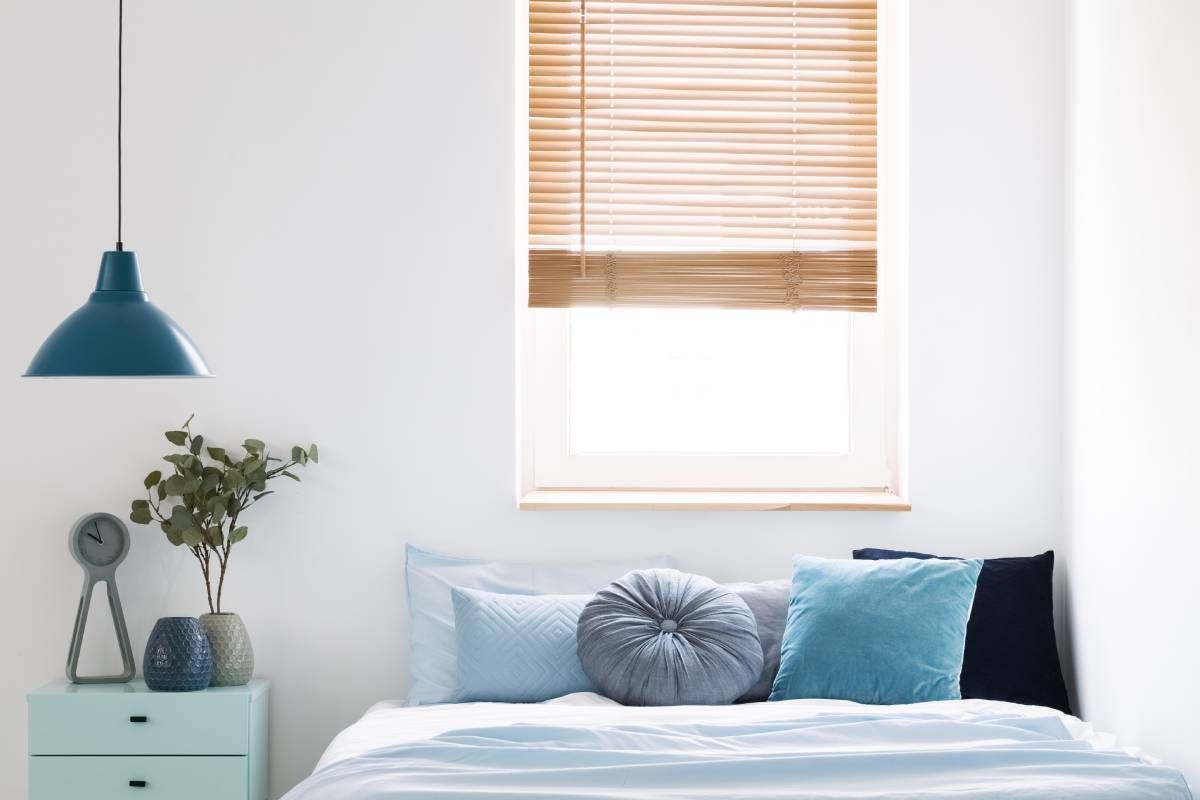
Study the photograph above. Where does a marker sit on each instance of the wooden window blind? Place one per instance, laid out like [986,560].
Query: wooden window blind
[702,152]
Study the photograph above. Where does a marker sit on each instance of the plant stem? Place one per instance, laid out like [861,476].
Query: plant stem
[204,569]
[221,582]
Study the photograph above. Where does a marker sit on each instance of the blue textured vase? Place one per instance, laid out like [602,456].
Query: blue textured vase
[178,656]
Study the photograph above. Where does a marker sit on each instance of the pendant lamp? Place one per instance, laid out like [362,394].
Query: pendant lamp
[118,332]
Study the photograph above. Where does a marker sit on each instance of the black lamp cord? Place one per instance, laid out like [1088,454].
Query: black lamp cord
[120,103]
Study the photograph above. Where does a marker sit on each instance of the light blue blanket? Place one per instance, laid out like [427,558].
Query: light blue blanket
[855,754]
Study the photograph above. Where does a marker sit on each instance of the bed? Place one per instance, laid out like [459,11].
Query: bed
[586,746]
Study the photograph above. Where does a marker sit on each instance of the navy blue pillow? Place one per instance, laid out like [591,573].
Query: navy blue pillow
[1011,653]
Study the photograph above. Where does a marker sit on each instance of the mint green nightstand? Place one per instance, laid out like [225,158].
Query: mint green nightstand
[109,741]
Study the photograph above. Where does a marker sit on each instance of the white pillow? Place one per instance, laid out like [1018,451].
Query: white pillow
[431,578]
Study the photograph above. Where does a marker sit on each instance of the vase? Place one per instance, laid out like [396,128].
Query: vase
[178,656]
[233,654]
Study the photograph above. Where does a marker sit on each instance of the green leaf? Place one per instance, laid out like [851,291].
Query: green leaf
[237,534]
[140,515]
[264,494]
[298,454]
[254,445]
[215,536]
[162,491]
[193,537]
[290,475]
[152,479]
[197,445]
[140,504]
[216,453]
[176,437]
[174,485]
[180,460]
[312,453]
[173,536]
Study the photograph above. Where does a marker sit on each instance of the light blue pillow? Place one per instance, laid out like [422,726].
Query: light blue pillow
[517,648]
[430,577]
[660,637]
[880,632]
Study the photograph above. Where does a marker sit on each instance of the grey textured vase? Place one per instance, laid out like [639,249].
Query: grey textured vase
[233,655]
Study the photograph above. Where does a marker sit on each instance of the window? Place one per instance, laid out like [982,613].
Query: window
[704,307]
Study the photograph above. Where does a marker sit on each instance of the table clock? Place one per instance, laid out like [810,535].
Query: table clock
[100,542]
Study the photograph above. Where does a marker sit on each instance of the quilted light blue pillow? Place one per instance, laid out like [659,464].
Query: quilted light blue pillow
[515,648]
[879,632]
[430,578]
[660,637]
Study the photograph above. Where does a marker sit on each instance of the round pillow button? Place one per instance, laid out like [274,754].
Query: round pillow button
[668,626]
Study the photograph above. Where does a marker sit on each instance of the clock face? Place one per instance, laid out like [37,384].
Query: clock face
[100,540]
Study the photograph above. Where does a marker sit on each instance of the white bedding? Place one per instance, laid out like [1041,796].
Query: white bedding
[584,745]
[391,722]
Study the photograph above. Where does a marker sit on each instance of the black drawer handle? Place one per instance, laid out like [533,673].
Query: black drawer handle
[138,718]
[138,784]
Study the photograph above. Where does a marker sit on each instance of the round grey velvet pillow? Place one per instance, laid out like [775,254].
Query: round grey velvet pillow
[660,637]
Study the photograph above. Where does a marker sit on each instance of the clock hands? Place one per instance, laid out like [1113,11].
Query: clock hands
[95,535]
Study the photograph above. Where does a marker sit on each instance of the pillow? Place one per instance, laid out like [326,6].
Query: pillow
[768,601]
[430,578]
[1011,651]
[880,632]
[661,637]
[517,648]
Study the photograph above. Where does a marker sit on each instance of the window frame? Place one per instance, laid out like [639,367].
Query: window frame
[548,476]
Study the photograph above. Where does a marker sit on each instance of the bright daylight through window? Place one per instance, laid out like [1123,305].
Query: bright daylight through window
[705,303]
[709,382]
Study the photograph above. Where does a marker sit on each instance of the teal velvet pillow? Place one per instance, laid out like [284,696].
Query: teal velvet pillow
[879,632]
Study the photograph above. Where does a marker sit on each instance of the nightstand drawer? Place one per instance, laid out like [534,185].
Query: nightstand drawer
[130,777]
[109,721]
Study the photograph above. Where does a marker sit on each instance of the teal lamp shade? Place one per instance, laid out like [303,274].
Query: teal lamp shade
[118,333]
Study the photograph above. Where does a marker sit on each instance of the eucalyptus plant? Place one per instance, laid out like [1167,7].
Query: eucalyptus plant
[199,504]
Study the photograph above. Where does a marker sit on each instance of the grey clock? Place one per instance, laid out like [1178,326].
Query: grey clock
[100,542]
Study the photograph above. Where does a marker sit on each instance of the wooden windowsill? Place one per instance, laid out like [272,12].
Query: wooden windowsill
[714,500]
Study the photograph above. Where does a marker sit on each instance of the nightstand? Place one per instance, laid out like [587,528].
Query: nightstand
[108,741]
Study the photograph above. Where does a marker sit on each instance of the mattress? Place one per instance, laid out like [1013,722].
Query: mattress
[586,746]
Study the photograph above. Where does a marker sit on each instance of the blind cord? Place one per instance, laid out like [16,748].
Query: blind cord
[120,103]
[583,138]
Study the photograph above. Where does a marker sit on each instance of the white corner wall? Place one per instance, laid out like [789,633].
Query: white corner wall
[1133,427]
[321,192]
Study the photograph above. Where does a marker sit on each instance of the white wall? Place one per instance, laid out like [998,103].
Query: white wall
[1133,429]
[321,193]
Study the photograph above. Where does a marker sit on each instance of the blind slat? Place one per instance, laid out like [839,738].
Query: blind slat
[720,153]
